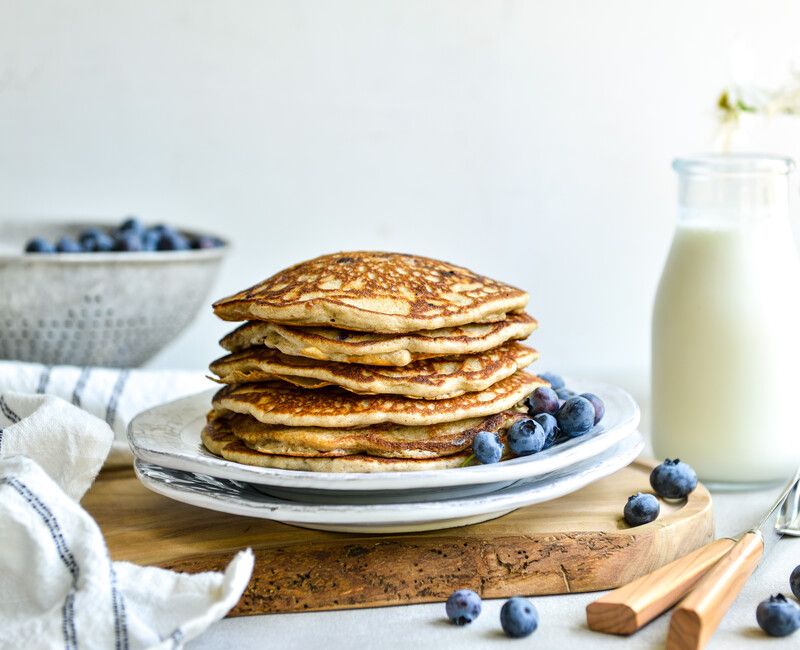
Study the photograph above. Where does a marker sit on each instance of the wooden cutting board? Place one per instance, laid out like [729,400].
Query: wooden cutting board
[576,543]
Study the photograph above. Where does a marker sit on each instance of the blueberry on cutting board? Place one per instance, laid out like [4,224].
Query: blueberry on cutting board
[673,479]
[641,509]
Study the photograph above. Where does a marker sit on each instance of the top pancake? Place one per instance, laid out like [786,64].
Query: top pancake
[374,292]
[343,346]
[282,403]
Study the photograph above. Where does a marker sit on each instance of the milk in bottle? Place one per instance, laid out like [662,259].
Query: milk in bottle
[726,324]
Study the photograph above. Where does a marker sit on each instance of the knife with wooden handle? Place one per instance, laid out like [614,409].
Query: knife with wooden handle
[631,607]
[697,617]
[714,574]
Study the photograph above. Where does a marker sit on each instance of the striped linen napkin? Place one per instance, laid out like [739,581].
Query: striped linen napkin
[112,394]
[58,586]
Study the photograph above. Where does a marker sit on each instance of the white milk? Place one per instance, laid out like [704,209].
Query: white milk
[726,340]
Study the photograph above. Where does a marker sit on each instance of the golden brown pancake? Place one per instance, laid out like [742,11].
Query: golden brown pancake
[438,378]
[344,346]
[385,440]
[227,446]
[374,292]
[282,403]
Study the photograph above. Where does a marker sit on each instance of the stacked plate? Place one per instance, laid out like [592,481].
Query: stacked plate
[354,388]
[171,460]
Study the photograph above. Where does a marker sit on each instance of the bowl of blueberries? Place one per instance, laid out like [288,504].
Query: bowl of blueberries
[99,294]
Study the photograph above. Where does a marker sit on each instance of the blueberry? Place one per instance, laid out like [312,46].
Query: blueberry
[673,479]
[206,241]
[550,426]
[576,416]
[794,582]
[542,400]
[518,617]
[525,437]
[553,379]
[565,393]
[778,616]
[641,509]
[68,245]
[95,240]
[463,606]
[90,233]
[487,447]
[128,241]
[131,225]
[599,407]
[39,245]
[150,239]
[172,241]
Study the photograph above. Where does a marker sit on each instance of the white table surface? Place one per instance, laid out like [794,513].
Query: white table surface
[562,618]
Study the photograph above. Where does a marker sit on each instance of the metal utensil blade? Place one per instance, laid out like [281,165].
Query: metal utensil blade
[774,521]
[788,520]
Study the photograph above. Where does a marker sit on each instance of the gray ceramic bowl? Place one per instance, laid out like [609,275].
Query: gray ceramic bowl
[99,309]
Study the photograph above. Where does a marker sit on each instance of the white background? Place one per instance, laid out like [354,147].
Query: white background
[530,141]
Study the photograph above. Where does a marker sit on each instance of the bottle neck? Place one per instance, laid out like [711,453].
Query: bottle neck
[730,191]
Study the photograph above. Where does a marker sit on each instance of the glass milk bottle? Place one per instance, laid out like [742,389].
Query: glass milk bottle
[726,324]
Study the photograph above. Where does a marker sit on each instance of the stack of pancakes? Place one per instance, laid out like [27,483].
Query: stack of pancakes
[364,361]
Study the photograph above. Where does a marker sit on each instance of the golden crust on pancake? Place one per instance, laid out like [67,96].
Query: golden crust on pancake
[344,346]
[438,378]
[282,403]
[374,292]
[385,440]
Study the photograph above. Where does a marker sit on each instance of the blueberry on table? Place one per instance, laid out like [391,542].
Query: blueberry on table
[673,479]
[794,582]
[565,393]
[576,416]
[518,617]
[463,606]
[39,245]
[487,447]
[542,400]
[778,616]
[550,426]
[599,406]
[68,245]
[553,379]
[525,437]
[641,509]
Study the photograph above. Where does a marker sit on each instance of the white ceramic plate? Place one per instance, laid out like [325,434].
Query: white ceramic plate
[379,516]
[169,436]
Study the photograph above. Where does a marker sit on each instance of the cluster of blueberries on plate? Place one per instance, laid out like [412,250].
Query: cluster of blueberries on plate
[518,616]
[557,415]
[130,236]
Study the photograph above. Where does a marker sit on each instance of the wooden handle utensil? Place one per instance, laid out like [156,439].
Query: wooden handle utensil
[627,609]
[696,618]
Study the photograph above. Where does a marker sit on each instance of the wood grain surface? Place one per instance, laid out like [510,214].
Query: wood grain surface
[576,543]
